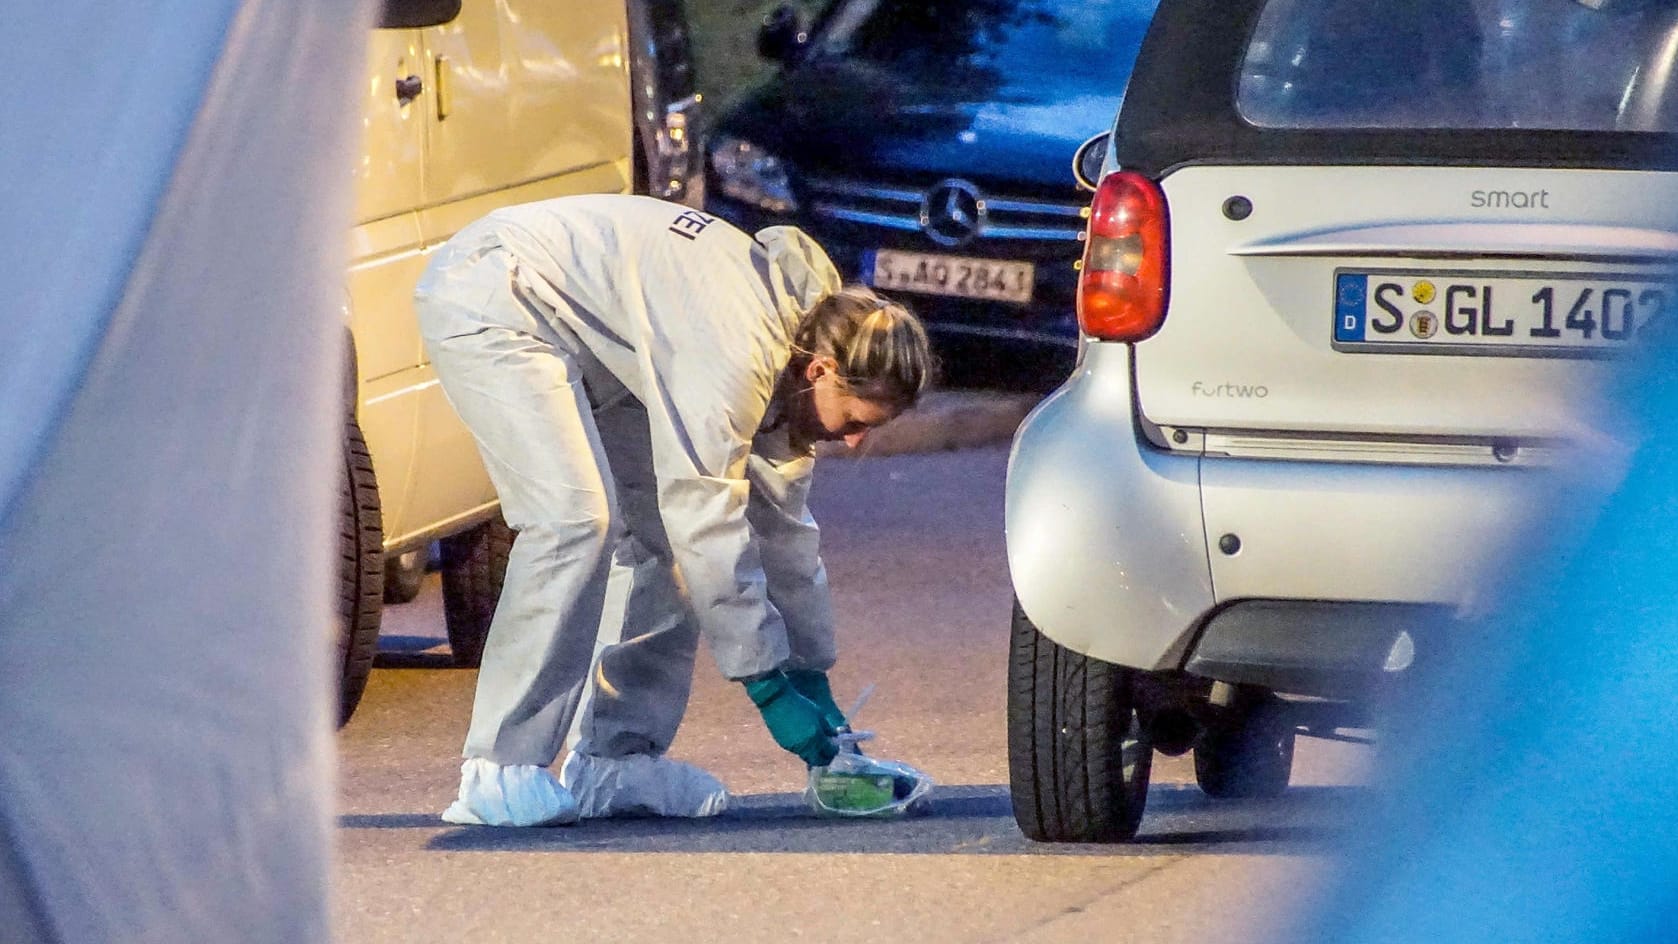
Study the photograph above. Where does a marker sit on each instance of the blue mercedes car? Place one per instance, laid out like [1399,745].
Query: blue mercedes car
[929,145]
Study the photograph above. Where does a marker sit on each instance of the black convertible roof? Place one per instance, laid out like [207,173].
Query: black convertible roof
[1180,109]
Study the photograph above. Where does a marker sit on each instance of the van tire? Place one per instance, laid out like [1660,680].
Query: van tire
[405,575]
[1249,758]
[361,571]
[474,566]
[1078,755]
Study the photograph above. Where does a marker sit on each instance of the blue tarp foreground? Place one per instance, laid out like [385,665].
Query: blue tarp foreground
[175,179]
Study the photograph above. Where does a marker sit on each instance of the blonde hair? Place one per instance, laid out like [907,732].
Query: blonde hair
[880,346]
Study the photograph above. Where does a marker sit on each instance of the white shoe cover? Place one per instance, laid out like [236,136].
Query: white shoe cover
[641,785]
[515,795]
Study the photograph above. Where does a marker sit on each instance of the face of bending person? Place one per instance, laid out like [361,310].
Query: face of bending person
[824,409]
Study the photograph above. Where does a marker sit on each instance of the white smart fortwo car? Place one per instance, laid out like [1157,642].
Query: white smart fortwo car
[1355,274]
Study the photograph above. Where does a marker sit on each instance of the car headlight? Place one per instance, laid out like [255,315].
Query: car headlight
[750,174]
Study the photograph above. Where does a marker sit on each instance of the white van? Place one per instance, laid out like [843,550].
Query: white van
[467,107]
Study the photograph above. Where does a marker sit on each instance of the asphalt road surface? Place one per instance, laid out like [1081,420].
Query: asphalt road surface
[914,550]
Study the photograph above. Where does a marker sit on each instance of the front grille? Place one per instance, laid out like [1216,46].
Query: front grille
[900,208]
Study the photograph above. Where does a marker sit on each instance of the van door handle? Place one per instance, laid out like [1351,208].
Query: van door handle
[444,96]
[408,88]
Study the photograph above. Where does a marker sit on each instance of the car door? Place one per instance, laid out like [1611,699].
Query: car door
[532,101]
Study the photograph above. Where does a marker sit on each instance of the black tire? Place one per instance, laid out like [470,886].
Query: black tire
[361,570]
[474,565]
[641,181]
[404,575]
[1078,756]
[1250,757]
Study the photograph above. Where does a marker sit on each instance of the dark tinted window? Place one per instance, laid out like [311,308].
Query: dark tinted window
[1584,65]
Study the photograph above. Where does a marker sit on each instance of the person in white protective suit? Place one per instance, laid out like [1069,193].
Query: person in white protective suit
[646,383]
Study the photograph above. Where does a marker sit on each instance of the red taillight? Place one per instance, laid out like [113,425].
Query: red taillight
[1121,285]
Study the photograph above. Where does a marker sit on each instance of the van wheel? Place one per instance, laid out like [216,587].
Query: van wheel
[474,565]
[1078,755]
[361,571]
[404,575]
[1249,758]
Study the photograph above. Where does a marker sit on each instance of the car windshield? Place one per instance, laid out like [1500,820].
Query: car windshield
[999,43]
[1575,65]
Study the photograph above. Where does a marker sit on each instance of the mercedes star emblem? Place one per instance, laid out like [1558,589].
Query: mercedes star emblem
[952,212]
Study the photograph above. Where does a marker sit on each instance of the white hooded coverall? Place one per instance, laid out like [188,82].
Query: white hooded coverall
[616,359]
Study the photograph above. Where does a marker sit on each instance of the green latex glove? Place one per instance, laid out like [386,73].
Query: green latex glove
[812,684]
[794,721]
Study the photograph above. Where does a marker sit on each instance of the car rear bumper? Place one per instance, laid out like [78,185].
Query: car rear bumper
[1328,649]
[1141,556]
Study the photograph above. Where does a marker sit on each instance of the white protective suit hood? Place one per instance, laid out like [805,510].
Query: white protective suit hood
[804,274]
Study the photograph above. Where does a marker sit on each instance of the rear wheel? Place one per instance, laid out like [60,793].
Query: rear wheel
[361,567]
[404,576]
[1078,755]
[474,566]
[1252,756]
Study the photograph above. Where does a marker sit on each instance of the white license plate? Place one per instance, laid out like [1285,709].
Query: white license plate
[960,276]
[1518,314]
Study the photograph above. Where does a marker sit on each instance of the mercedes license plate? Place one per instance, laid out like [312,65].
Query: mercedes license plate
[1534,314]
[960,276]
